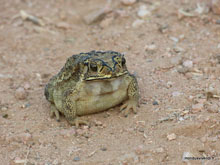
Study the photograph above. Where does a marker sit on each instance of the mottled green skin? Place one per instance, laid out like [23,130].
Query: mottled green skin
[92,82]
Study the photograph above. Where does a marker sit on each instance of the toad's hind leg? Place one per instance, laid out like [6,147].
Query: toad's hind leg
[70,108]
[133,96]
[54,111]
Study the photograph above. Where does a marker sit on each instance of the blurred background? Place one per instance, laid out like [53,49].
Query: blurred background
[172,46]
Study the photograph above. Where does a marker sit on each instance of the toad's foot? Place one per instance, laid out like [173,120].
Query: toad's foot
[129,105]
[54,111]
[77,122]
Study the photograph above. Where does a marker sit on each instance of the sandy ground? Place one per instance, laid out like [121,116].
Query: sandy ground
[176,61]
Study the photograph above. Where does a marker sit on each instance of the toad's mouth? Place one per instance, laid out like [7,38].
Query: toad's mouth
[104,77]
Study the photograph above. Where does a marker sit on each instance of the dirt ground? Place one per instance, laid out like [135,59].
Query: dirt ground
[171,46]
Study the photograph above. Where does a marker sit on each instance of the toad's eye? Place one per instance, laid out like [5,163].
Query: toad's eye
[123,61]
[93,67]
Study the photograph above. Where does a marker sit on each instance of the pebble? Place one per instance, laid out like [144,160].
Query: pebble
[215,5]
[143,12]
[103,149]
[63,25]
[197,107]
[27,86]
[182,70]
[176,60]
[141,129]
[169,84]
[171,136]
[178,49]
[159,150]
[181,118]
[129,158]
[202,8]
[18,160]
[76,158]
[97,15]
[137,23]
[176,93]
[212,139]
[151,47]
[174,39]
[163,28]
[82,132]
[25,16]
[106,22]
[128,2]
[141,149]
[188,63]
[98,123]
[4,108]
[20,93]
[213,108]
[155,102]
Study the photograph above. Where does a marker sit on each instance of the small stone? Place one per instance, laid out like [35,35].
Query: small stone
[182,70]
[174,39]
[63,25]
[103,149]
[171,136]
[19,160]
[27,105]
[128,2]
[169,84]
[97,15]
[202,8]
[212,139]
[141,129]
[140,150]
[181,118]
[176,93]
[106,22]
[213,108]
[137,23]
[155,102]
[143,12]
[200,100]
[27,86]
[159,150]
[197,107]
[215,6]
[181,37]
[218,22]
[151,47]
[98,123]
[4,108]
[176,60]
[188,64]
[163,28]
[83,132]
[20,93]
[76,158]
[178,49]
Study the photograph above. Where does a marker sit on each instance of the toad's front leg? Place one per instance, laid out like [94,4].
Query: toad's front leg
[70,108]
[133,96]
